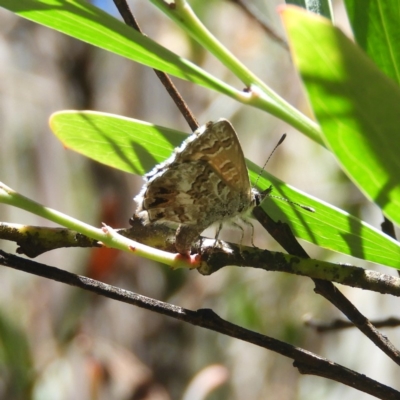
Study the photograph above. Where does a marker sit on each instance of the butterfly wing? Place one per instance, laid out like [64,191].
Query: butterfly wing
[204,181]
[218,144]
[189,193]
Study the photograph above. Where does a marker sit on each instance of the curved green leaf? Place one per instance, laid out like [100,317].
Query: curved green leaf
[81,20]
[136,146]
[355,103]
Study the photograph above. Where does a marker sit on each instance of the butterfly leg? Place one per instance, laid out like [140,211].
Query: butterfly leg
[248,223]
[186,235]
[217,235]
[241,236]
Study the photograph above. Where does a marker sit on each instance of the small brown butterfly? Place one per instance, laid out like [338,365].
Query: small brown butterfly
[205,181]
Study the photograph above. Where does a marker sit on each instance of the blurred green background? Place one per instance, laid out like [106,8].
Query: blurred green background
[57,342]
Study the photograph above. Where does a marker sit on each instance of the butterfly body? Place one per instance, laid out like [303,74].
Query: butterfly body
[203,182]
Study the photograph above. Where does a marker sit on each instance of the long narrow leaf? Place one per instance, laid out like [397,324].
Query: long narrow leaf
[81,20]
[136,146]
[355,103]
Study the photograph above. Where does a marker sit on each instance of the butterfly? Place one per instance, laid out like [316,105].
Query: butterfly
[205,181]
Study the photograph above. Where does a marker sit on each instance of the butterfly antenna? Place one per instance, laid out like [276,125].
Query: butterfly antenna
[268,191]
[293,203]
[272,152]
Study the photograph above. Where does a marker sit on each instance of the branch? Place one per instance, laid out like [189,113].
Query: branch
[213,259]
[282,233]
[339,324]
[254,14]
[305,361]
[130,20]
[388,228]
[33,241]
[36,240]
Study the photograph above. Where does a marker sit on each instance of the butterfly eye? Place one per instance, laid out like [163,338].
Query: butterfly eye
[257,199]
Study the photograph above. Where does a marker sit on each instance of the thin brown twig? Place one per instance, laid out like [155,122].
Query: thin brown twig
[130,20]
[388,228]
[254,14]
[284,236]
[305,361]
[339,324]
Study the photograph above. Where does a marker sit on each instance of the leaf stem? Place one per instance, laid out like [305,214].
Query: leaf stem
[256,92]
[106,235]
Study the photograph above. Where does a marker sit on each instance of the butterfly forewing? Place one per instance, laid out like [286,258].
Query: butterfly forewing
[218,144]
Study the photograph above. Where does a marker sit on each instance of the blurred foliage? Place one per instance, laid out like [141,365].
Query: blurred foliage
[17,376]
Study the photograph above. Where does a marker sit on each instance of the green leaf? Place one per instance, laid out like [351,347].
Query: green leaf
[356,105]
[81,20]
[376,27]
[85,22]
[15,358]
[127,144]
[260,95]
[330,227]
[136,146]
